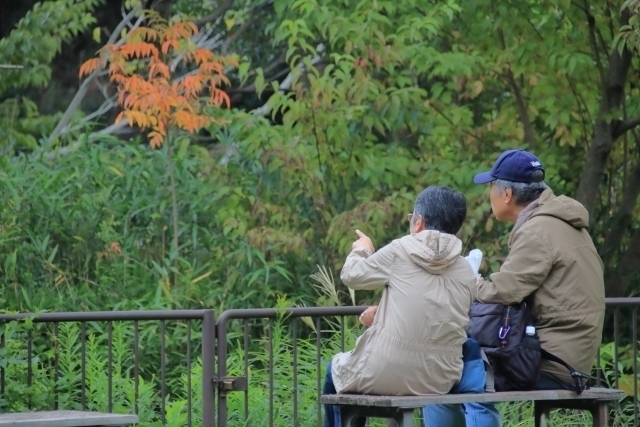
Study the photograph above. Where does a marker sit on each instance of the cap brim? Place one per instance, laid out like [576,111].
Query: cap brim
[483,178]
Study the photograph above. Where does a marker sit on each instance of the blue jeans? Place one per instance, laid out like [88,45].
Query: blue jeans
[473,380]
[332,412]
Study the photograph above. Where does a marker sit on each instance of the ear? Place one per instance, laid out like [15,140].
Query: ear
[420,225]
[508,195]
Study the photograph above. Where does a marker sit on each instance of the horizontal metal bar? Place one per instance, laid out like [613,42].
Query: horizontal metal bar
[267,313]
[249,313]
[108,316]
[245,313]
[620,302]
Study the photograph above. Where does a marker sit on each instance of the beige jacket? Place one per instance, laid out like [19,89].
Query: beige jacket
[551,257]
[414,346]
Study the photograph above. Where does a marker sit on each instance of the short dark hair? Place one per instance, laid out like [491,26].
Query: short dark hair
[441,208]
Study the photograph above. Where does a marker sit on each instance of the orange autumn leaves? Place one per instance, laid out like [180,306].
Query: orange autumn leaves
[141,67]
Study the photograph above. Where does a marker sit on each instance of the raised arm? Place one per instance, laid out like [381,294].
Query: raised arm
[366,270]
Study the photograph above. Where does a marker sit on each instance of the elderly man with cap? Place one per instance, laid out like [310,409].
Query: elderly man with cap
[553,261]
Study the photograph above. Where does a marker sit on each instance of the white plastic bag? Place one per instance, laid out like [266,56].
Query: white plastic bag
[475,259]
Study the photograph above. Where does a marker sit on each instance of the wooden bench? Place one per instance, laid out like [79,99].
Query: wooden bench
[400,408]
[66,419]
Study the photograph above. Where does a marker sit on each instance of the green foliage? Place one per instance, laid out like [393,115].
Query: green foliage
[369,119]
[44,389]
[382,99]
[91,230]
[23,125]
[32,45]
[620,375]
[38,38]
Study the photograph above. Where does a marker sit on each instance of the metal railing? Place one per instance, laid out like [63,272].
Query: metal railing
[269,363]
[624,339]
[39,341]
[293,316]
[250,322]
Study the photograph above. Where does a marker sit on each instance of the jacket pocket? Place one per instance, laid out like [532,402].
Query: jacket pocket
[485,321]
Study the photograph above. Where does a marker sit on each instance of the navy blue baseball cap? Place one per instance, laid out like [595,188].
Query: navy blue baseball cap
[514,166]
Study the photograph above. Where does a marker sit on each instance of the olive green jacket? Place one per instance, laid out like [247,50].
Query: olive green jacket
[553,259]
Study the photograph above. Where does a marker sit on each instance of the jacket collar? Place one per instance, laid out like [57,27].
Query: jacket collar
[529,210]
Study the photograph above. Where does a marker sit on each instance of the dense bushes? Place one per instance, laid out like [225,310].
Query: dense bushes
[91,229]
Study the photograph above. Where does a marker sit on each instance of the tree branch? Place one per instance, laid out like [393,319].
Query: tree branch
[454,125]
[248,23]
[105,107]
[252,87]
[592,39]
[624,126]
[287,82]
[529,136]
[584,109]
[63,124]
[216,14]
[114,129]
[74,105]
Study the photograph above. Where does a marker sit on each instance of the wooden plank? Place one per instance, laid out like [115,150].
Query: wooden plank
[66,419]
[508,396]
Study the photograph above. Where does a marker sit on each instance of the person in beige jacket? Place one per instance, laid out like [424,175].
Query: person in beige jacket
[414,343]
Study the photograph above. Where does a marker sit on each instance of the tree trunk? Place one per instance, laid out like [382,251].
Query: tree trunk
[603,138]
[620,277]
[175,244]
[622,219]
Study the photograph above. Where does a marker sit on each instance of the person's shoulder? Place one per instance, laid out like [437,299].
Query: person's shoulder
[538,232]
[461,270]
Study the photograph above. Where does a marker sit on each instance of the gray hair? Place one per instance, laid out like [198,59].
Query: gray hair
[441,208]
[524,193]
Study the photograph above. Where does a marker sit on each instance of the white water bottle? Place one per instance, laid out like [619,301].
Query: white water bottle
[530,330]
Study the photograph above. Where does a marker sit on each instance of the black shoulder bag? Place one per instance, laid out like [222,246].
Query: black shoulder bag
[514,354]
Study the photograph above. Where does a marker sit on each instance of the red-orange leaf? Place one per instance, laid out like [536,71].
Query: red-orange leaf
[157,68]
[180,30]
[138,49]
[211,68]
[116,68]
[170,44]
[90,66]
[155,139]
[203,56]
[144,33]
[120,117]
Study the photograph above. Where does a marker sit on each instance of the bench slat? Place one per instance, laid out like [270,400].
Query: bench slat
[66,419]
[507,396]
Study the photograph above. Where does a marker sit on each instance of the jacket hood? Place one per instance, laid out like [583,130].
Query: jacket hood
[564,208]
[432,250]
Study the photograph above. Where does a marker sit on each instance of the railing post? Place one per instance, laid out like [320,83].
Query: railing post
[208,362]
[222,365]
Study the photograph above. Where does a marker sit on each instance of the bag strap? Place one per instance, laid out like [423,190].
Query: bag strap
[581,381]
[489,386]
